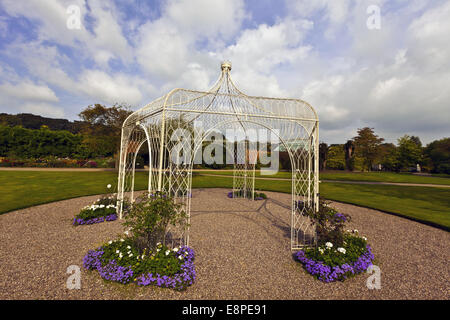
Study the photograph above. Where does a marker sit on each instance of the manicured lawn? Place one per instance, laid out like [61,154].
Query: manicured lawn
[356,176]
[21,189]
[420,203]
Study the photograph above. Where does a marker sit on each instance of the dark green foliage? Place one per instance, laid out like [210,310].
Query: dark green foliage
[409,152]
[28,143]
[367,146]
[329,223]
[336,157]
[323,155]
[437,155]
[31,121]
[349,148]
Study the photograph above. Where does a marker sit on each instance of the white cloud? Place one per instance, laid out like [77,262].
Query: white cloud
[258,52]
[395,79]
[50,17]
[216,18]
[44,109]
[162,51]
[28,91]
[29,97]
[119,88]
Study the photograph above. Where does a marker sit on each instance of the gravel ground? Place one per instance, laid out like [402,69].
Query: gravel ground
[242,252]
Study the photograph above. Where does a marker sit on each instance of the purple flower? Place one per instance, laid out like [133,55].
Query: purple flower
[328,274]
[113,272]
[339,217]
[79,221]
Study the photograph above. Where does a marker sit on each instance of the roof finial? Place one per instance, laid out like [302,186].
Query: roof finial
[226,65]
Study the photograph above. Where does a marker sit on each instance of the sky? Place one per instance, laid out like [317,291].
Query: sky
[376,63]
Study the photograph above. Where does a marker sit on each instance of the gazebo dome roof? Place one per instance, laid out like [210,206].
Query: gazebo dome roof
[225,98]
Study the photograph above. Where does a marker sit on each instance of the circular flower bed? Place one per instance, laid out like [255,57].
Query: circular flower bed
[121,261]
[140,257]
[240,194]
[103,209]
[339,254]
[330,263]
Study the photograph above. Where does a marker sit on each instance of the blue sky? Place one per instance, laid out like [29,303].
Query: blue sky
[394,78]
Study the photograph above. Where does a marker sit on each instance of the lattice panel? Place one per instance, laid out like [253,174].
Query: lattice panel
[293,121]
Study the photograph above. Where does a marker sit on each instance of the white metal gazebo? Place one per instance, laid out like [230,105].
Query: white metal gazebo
[164,124]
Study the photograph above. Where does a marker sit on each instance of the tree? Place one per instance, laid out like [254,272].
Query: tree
[367,146]
[409,151]
[437,154]
[349,148]
[336,157]
[323,155]
[102,128]
[416,140]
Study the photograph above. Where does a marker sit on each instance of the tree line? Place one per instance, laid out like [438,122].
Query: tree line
[368,152]
[96,135]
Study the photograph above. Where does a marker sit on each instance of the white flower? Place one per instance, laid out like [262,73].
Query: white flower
[108,186]
[122,240]
[129,252]
[158,244]
[158,250]
[321,250]
[180,257]
[120,255]
[117,251]
[128,247]
[175,249]
[167,252]
[355,231]
[110,241]
[127,233]
[143,256]
[329,245]
[364,238]
[130,255]
[341,250]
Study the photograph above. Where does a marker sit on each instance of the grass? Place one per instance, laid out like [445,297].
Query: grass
[429,205]
[355,176]
[21,189]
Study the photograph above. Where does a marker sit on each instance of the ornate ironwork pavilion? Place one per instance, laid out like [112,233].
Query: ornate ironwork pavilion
[163,124]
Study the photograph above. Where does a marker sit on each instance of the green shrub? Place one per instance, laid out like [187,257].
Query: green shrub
[149,218]
[328,222]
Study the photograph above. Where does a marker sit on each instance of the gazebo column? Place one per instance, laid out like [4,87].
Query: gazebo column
[244,170]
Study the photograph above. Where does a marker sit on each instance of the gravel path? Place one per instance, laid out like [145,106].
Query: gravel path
[242,252]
